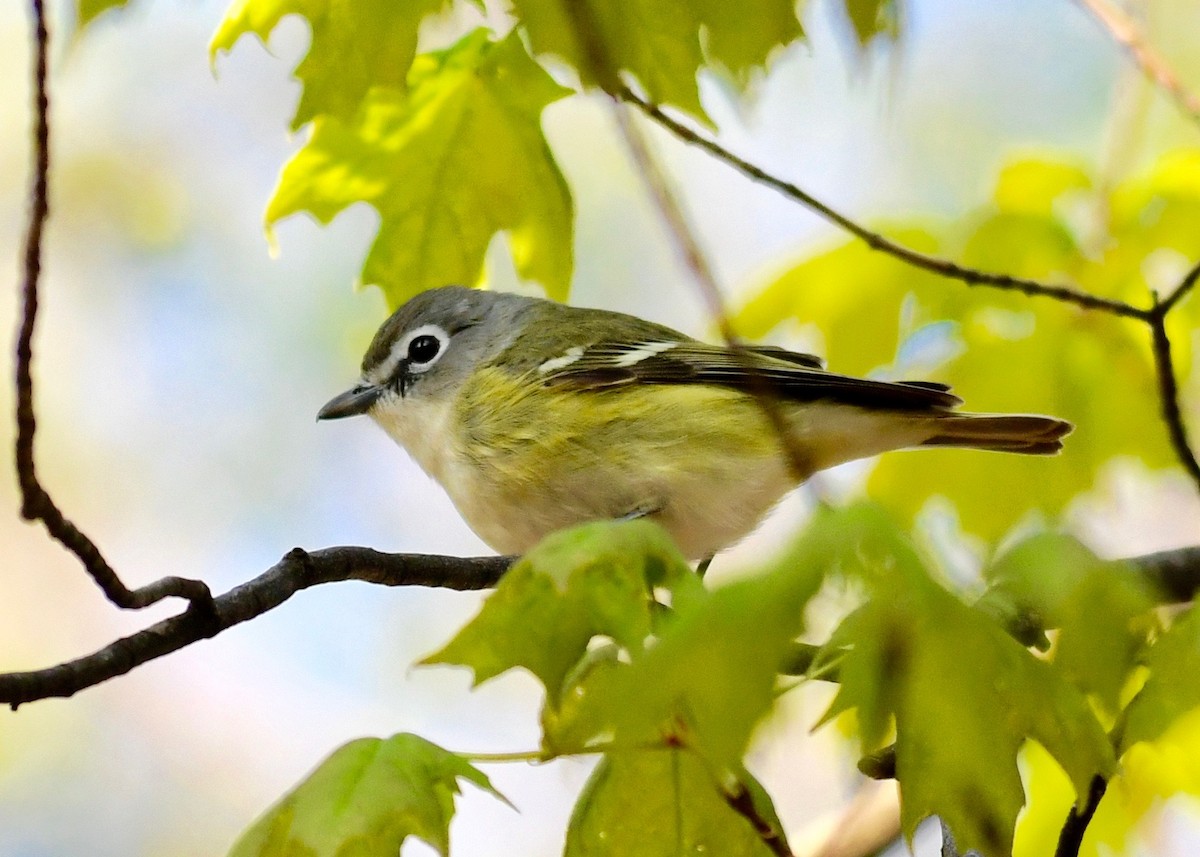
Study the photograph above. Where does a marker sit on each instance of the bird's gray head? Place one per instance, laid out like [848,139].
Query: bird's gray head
[430,346]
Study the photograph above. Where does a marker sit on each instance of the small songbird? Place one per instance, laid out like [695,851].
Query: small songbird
[535,416]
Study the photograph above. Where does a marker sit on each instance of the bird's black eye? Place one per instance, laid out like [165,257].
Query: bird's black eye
[424,348]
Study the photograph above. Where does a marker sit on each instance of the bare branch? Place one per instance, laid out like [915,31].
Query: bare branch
[1164,365]
[1078,819]
[741,801]
[934,264]
[1125,31]
[297,570]
[36,503]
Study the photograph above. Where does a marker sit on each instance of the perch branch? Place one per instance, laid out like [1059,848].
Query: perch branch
[296,571]
[36,503]
[1176,573]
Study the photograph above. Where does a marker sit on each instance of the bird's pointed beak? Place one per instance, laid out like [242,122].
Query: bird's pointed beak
[350,403]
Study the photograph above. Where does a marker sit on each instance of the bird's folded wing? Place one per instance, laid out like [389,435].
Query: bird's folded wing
[786,374]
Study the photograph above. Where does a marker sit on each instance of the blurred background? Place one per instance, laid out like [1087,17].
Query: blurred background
[180,366]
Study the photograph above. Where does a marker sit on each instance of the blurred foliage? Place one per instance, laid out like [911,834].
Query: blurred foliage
[1046,220]
[668,680]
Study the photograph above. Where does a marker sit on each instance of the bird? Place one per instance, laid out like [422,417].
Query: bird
[534,416]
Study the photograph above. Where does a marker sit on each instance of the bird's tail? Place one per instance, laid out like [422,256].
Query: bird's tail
[1025,433]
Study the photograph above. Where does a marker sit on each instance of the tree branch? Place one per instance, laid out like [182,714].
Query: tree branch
[876,241]
[1125,31]
[1078,819]
[296,571]
[1164,366]
[36,503]
[741,801]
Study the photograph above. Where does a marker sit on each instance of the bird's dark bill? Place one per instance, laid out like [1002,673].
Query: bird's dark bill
[350,403]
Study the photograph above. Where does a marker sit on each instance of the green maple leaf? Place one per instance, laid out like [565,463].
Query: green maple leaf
[593,580]
[355,46]
[662,43]
[663,803]
[365,800]
[457,159]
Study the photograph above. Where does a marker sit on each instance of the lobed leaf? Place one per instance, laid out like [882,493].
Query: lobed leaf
[712,673]
[588,581]
[457,159]
[664,803]
[355,47]
[365,800]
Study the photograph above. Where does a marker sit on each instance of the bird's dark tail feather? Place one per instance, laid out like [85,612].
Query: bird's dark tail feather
[1025,433]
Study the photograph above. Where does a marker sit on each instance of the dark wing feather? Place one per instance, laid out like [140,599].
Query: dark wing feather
[796,377]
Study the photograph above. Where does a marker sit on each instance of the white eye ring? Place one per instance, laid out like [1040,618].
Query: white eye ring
[402,349]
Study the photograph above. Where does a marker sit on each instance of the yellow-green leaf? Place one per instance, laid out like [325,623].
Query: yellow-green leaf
[456,160]
[1172,689]
[365,800]
[711,675]
[657,41]
[663,803]
[741,36]
[88,10]
[871,18]
[595,579]
[355,47]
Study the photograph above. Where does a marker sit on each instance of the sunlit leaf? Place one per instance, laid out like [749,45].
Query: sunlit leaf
[88,10]
[355,47]
[1172,689]
[741,36]
[593,580]
[871,18]
[456,160]
[657,41]
[365,800]
[664,802]
[711,675]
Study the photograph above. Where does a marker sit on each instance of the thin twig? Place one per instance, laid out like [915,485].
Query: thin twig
[296,571]
[876,241]
[1168,386]
[1078,819]
[1125,31]
[741,801]
[1181,291]
[36,503]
